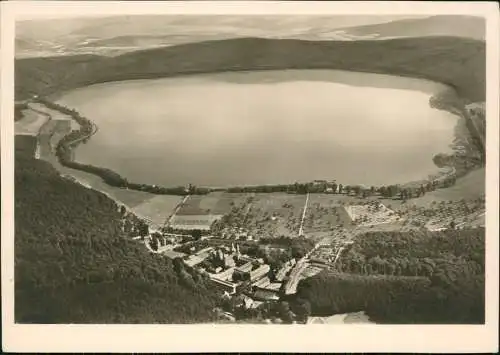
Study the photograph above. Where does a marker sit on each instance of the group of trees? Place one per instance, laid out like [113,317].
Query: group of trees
[389,191]
[406,277]
[277,251]
[75,264]
[71,140]
[285,311]
[416,253]
[298,246]
[18,110]
[25,146]
[449,100]
[64,153]
[390,299]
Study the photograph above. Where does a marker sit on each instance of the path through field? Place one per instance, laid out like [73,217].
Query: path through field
[301,229]
[177,208]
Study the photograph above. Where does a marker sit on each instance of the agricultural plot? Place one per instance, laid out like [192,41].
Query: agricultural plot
[30,124]
[327,216]
[324,216]
[56,115]
[227,201]
[371,214]
[266,215]
[199,212]
[217,203]
[311,270]
[444,214]
[197,205]
[192,222]
[158,208]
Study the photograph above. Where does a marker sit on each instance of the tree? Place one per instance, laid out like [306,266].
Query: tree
[196,234]
[283,307]
[123,210]
[154,244]
[391,268]
[142,228]
[368,268]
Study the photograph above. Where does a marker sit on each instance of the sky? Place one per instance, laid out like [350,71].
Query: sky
[341,20]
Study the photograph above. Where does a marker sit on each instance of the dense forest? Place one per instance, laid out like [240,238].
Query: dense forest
[416,253]
[458,62]
[410,277]
[74,264]
[18,110]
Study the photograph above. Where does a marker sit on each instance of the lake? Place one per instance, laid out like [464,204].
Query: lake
[265,127]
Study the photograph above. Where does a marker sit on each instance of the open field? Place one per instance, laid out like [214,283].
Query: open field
[217,203]
[55,115]
[199,212]
[30,124]
[470,186]
[266,215]
[130,198]
[440,214]
[261,214]
[371,214]
[158,208]
[49,135]
[25,145]
[325,213]
[202,222]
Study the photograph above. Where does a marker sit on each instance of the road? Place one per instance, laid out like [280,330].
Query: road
[48,118]
[293,281]
[294,278]
[177,208]
[301,229]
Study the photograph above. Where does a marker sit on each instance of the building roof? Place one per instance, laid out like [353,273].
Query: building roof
[245,267]
[173,254]
[273,286]
[266,295]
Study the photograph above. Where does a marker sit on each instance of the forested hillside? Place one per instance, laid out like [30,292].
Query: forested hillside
[455,61]
[74,265]
[406,278]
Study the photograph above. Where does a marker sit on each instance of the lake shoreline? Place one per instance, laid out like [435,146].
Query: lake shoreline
[154,189]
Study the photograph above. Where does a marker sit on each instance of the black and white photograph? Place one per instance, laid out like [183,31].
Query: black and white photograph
[230,168]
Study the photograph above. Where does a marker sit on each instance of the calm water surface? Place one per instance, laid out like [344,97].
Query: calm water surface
[265,127]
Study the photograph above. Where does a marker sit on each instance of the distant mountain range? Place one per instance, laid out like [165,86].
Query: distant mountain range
[121,34]
[459,26]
